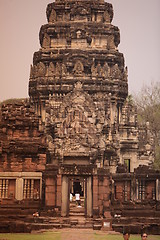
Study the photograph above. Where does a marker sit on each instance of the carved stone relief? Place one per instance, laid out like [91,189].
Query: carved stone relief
[51,70]
[46,41]
[100,71]
[115,71]
[79,14]
[64,70]
[53,16]
[111,43]
[58,69]
[78,68]
[41,69]
[125,75]
[93,70]
[106,17]
[105,70]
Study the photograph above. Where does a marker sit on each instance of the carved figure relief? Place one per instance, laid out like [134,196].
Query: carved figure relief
[46,41]
[111,43]
[126,74]
[41,69]
[78,68]
[76,123]
[58,69]
[64,70]
[78,33]
[79,14]
[51,70]
[115,71]
[105,70]
[93,70]
[53,16]
[106,17]
[99,70]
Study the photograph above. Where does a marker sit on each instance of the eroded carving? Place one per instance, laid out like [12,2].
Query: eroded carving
[78,68]
[53,16]
[46,41]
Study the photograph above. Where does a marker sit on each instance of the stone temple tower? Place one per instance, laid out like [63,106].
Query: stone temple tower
[78,85]
[78,133]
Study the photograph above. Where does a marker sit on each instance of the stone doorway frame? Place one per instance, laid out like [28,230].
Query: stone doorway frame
[66,192]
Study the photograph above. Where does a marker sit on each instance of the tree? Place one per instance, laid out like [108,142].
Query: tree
[148,109]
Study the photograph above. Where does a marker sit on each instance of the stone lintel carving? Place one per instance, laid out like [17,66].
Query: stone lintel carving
[77,169]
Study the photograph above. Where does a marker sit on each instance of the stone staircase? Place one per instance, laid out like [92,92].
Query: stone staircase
[14,219]
[137,217]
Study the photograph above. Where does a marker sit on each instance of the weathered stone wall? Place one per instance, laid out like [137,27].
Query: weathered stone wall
[22,144]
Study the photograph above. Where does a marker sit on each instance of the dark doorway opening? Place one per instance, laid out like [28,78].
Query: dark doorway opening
[77,187]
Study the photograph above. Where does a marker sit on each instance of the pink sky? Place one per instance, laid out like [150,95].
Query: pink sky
[20,21]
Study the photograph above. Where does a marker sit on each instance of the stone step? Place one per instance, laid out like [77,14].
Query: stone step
[39,226]
[77,210]
[76,214]
[130,220]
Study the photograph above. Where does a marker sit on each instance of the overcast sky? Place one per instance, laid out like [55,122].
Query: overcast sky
[20,21]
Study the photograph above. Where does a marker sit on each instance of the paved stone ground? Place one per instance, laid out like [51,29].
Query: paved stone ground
[75,234]
[80,234]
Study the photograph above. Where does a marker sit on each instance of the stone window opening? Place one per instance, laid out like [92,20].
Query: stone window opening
[7,188]
[31,189]
[141,190]
[122,191]
[4,188]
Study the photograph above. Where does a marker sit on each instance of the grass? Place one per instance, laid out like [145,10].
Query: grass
[33,236]
[57,236]
[120,237]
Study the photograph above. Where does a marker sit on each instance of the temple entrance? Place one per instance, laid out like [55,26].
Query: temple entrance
[77,185]
[77,196]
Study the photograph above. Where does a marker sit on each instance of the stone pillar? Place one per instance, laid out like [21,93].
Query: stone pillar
[19,189]
[133,191]
[50,191]
[95,195]
[157,190]
[40,189]
[59,191]
[137,190]
[89,197]
[125,191]
[1,188]
[65,197]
